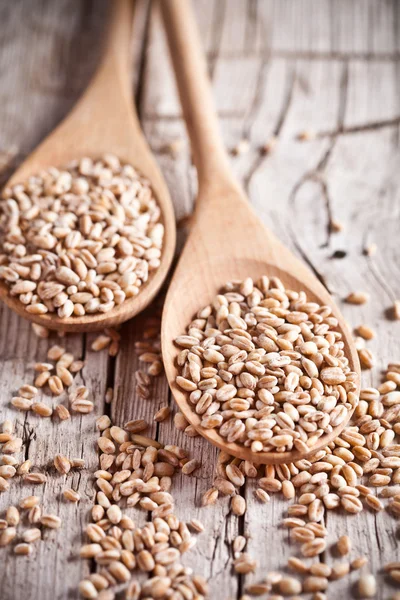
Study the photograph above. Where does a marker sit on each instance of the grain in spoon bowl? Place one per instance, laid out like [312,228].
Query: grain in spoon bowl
[79,240]
[265,368]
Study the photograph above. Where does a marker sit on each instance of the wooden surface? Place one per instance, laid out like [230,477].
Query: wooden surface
[278,67]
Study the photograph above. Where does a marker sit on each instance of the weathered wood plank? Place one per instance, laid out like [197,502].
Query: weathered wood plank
[357,169]
[43,439]
[38,95]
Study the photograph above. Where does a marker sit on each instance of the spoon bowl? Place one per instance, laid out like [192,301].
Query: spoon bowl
[226,241]
[199,276]
[104,121]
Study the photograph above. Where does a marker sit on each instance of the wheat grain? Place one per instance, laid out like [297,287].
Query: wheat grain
[31,535]
[396,309]
[87,589]
[29,502]
[41,409]
[367,586]
[51,521]
[7,535]
[23,549]
[344,545]
[62,412]
[162,414]
[357,298]
[71,495]
[289,586]
[366,332]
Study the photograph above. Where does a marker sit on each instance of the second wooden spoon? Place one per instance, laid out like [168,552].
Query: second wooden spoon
[227,241]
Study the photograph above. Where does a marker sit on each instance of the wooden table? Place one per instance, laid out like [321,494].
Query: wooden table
[329,68]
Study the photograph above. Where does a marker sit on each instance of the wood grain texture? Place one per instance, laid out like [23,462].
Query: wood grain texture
[279,66]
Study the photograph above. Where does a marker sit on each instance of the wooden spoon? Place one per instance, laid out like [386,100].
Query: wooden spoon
[226,241]
[104,121]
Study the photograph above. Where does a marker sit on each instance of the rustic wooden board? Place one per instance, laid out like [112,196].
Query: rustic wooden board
[279,67]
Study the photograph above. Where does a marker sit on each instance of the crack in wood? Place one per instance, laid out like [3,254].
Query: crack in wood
[28,436]
[381,281]
[252,14]
[222,535]
[141,67]
[255,105]
[359,128]
[312,175]
[149,117]
[321,167]
[260,160]
[306,55]
[217,28]
[318,173]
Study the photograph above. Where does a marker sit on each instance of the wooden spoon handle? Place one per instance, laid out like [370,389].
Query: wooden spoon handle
[116,58]
[108,98]
[117,45]
[209,154]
